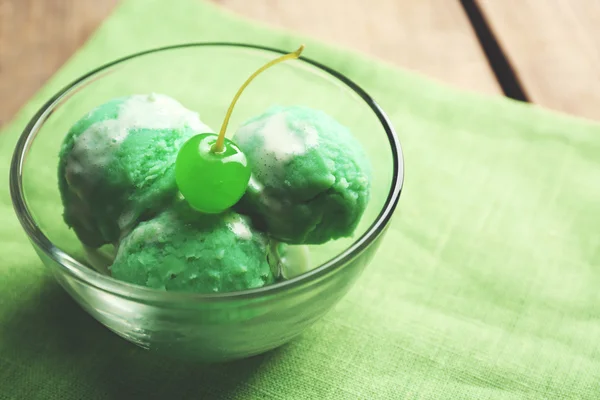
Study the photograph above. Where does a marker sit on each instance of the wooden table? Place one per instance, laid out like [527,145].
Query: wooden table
[543,51]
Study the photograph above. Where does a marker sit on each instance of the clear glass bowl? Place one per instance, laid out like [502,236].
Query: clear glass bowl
[204,77]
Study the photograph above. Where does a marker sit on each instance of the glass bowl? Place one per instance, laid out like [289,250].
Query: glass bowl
[204,77]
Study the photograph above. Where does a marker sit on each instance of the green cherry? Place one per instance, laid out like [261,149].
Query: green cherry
[211,172]
[211,182]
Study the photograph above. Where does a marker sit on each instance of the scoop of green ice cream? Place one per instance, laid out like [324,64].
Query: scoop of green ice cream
[183,250]
[117,164]
[310,177]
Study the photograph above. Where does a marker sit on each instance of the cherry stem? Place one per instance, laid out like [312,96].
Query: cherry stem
[220,144]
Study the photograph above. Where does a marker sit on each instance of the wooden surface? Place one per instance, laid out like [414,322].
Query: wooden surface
[554,48]
[36,38]
[553,45]
[430,36]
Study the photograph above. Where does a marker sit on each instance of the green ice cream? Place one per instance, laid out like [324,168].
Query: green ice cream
[310,177]
[183,250]
[117,164]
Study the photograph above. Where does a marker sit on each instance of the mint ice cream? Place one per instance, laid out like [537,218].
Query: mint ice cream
[310,177]
[117,164]
[183,250]
[310,184]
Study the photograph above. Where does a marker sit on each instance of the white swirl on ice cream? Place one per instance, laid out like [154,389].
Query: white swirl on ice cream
[94,148]
[239,226]
[280,141]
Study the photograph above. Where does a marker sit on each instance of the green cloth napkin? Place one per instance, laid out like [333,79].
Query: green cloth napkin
[486,286]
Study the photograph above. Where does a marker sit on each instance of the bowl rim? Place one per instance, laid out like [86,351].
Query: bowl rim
[89,276]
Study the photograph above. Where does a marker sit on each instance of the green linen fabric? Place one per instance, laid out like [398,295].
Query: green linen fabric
[486,285]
